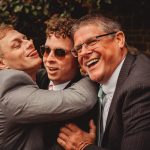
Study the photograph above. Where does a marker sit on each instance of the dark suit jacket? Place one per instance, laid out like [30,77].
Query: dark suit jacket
[128,123]
[52,130]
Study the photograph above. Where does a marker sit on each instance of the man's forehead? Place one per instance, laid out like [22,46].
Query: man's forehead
[86,32]
[13,34]
[9,38]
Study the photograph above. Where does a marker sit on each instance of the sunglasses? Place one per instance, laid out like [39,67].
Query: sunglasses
[58,52]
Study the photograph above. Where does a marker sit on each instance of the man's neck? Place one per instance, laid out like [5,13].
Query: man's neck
[32,74]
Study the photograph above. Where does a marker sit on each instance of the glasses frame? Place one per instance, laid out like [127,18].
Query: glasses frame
[42,52]
[77,49]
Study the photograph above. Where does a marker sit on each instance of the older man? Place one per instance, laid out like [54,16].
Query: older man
[124,124]
[24,107]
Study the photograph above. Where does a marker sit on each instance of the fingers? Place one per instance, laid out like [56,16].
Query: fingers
[66,130]
[63,136]
[92,126]
[92,131]
[66,145]
[61,142]
[72,127]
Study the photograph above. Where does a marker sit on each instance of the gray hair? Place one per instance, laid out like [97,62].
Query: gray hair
[108,25]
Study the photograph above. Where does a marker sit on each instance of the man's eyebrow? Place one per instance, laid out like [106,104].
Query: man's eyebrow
[19,37]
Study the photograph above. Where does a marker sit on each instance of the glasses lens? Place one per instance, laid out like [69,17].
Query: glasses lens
[47,50]
[44,49]
[91,42]
[74,53]
[60,52]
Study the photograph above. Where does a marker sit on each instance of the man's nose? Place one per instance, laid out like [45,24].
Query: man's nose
[50,56]
[29,43]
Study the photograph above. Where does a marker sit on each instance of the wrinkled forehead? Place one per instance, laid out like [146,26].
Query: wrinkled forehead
[86,32]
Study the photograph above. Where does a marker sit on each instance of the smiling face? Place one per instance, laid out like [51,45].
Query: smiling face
[18,53]
[101,59]
[60,69]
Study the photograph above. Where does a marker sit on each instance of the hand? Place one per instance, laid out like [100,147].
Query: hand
[72,137]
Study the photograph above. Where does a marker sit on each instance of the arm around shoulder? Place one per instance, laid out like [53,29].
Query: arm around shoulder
[23,100]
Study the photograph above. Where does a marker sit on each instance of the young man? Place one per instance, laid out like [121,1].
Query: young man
[24,107]
[99,44]
[62,70]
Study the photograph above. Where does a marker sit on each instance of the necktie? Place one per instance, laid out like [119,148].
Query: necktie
[101,104]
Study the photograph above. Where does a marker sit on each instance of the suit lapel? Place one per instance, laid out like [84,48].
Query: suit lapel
[125,70]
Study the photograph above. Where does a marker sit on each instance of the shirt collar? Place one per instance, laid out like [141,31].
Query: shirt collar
[110,86]
[59,86]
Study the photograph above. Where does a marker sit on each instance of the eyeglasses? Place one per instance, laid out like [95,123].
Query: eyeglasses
[90,42]
[58,52]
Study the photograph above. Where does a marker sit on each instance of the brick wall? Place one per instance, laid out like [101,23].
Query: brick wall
[135,19]
[139,38]
[137,32]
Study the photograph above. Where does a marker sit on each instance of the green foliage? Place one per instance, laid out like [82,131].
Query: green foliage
[28,16]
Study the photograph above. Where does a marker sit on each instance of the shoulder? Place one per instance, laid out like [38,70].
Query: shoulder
[10,79]
[135,75]
[140,70]
[14,76]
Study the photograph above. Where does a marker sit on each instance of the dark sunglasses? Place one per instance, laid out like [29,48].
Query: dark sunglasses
[58,52]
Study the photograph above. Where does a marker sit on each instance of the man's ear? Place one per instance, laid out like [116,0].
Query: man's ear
[2,64]
[120,38]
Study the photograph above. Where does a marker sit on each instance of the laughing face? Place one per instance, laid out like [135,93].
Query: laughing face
[19,53]
[101,59]
[60,69]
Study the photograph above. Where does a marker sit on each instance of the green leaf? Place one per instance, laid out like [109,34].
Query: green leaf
[18,8]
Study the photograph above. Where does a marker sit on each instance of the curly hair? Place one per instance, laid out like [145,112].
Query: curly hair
[59,26]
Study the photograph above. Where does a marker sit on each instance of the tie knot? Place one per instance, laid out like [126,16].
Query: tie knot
[101,93]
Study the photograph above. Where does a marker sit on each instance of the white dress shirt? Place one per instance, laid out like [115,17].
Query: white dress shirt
[58,86]
[109,89]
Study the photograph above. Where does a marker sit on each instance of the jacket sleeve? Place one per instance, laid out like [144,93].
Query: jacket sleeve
[23,102]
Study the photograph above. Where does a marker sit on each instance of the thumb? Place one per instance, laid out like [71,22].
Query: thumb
[92,130]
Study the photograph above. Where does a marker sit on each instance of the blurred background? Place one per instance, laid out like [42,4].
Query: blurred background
[29,16]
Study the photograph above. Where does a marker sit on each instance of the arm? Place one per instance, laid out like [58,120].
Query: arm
[24,102]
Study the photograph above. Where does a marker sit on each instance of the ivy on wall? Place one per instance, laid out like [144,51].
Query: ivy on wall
[28,16]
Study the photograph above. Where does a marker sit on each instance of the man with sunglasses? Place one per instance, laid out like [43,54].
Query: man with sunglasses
[62,71]
[124,94]
[24,108]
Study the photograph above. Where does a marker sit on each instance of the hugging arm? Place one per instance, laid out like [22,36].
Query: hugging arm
[22,99]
